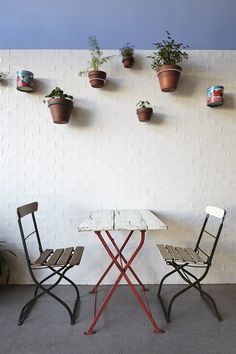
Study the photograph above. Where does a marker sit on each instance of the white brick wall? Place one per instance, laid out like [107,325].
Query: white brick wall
[175,165]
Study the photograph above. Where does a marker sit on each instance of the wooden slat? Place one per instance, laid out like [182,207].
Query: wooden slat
[152,221]
[54,257]
[98,221]
[165,254]
[42,258]
[129,220]
[174,254]
[186,256]
[27,209]
[77,255]
[194,255]
[214,211]
[65,257]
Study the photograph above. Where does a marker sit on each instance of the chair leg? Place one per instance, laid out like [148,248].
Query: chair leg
[29,305]
[159,293]
[76,308]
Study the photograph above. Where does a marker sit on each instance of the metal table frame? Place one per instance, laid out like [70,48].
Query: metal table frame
[122,266]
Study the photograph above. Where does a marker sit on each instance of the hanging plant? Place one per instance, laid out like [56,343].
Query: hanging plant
[97,77]
[144,111]
[60,105]
[165,61]
[127,52]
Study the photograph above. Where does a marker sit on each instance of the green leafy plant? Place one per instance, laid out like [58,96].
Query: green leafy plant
[127,50]
[143,104]
[97,58]
[169,52]
[4,264]
[58,93]
[3,75]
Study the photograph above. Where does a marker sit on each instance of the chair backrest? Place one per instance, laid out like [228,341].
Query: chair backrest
[23,211]
[211,212]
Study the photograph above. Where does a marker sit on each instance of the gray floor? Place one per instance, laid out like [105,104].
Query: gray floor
[123,328]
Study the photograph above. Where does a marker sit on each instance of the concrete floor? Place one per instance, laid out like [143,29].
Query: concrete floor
[123,327]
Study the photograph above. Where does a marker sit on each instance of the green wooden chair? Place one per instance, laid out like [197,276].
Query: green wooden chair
[181,258]
[58,262]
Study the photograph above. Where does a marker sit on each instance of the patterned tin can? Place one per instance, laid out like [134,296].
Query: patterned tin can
[215,96]
[24,80]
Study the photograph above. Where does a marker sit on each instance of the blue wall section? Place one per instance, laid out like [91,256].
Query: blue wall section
[51,24]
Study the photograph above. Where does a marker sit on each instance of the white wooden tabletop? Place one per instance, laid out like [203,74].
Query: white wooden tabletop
[107,220]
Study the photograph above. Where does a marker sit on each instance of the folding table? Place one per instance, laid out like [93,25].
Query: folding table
[104,222]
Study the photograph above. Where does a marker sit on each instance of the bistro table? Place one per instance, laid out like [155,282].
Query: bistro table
[103,222]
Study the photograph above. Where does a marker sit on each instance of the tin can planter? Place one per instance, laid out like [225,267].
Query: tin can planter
[169,77]
[97,78]
[24,81]
[60,110]
[144,114]
[215,96]
[128,61]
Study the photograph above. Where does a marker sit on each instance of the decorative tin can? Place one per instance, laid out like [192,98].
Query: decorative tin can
[24,80]
[215,96]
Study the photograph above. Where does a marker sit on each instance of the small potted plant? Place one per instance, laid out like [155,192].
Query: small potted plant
[144,111]
[5,269]
[3,75]
[165,61]
[127,52]
[60,105]
[97,77]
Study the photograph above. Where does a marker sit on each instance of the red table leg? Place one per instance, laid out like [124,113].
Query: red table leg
[124,259]
[123,274]
[112,263]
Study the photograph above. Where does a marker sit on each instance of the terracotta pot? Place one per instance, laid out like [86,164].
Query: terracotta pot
[144,114]
[60,110]
[97,78]
[128,61]
[168,77]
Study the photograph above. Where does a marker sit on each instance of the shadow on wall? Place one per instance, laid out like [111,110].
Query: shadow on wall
[112,85]
[80,116]
[229,101]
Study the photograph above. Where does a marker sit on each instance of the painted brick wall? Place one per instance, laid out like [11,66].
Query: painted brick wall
[181,161]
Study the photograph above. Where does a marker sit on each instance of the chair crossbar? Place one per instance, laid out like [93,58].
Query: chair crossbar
[203,252]
[207,232]
[33,232]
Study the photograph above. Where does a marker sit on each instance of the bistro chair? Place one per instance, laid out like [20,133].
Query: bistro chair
[58,262]
[181,258]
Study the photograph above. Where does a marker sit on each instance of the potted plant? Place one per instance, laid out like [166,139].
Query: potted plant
[5,269]
[97,77]
[165,61]
[127,52]
[3,75]
[144,111]
[60,105]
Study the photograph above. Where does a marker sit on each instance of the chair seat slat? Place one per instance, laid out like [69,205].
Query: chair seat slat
[43,257]
[65,257]
[186,256]
[54,257]
[164,252]
[76,257]
[194,255]
[174,254]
